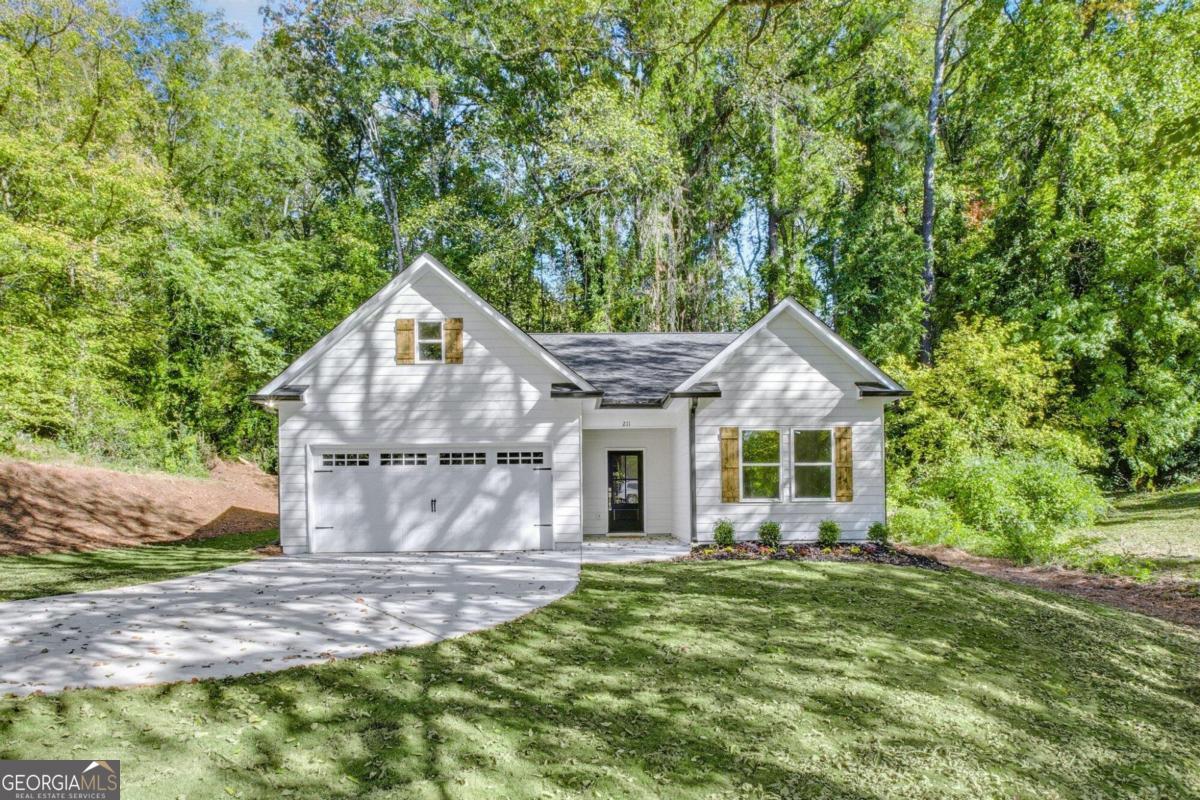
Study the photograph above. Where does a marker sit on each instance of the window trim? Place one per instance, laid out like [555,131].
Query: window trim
[418,341]
[832,464]
[742,466]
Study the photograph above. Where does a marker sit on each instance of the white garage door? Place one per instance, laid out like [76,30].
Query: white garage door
[421,498]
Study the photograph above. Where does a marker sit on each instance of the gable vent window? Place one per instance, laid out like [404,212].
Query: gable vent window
[345,460]
[519,457]
[462,459]
[403,459]
[429,342]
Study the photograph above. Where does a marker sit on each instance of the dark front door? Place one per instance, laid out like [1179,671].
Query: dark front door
[625,492]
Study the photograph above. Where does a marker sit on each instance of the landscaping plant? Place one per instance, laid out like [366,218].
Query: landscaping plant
[723,533]
[768,534]
[828,533]
[878,533]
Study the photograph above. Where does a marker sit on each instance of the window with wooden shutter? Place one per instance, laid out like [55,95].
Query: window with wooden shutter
[405,341]
[453,333]
[844,464]
[812,464]
[730,487]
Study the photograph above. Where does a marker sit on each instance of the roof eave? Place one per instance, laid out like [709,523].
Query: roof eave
[873,389]
[284,394]
[570,390]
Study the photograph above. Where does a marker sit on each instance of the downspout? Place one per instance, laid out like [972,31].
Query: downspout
[692,463]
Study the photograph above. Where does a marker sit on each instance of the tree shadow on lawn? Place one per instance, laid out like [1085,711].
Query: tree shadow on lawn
[24,577]
[805,680]
[1151,506]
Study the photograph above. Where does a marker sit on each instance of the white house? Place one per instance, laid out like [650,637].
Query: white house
[427,420]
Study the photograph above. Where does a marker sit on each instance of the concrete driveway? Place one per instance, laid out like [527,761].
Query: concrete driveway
[277,613]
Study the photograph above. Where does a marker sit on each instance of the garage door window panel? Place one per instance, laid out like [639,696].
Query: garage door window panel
[403,459]
[430,349]
[462,459]
[533,457]
[345,460]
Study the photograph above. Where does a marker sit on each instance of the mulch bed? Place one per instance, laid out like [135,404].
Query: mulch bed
[1170,599]
[864,552]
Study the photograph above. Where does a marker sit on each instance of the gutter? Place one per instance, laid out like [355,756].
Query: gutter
[873,389]
[282,394]
[692,465]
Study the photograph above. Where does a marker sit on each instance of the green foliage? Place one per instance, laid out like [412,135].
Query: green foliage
[988,391]
[1011,506]
[878,533]
[768,534]
[723,533]
[829,533]
[929,520]
[179,216]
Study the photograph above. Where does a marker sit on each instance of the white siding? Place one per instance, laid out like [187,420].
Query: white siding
[358,395]
[657,484]
[783,378]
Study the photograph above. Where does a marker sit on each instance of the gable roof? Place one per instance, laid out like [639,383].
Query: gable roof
[423,263]
[817,328]
[634,369]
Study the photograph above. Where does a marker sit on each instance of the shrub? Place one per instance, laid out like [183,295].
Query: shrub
[928,521]
[723,533]
[1017,506]
[768,534]
[878,533]
[828,533]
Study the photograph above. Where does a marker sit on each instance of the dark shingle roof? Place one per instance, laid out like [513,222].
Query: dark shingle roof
[634,368]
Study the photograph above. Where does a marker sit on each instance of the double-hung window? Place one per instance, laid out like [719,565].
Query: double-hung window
[429,342]
[760,464]
[812,464]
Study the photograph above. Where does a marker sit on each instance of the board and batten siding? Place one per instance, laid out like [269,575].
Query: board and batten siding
[358,395]
[657,491]
[784,378]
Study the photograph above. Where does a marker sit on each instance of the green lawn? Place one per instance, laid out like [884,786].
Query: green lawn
[733,679]
[22,577]
[1159,531]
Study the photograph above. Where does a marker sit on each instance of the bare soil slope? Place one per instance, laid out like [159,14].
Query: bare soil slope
[1167,598]
[51,507]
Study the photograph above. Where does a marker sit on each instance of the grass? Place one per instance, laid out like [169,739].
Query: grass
[1154,534]
[713,680]
[23,577]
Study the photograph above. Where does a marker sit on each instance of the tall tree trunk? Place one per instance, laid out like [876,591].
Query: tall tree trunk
[774,246]
[383,178]
[932,118]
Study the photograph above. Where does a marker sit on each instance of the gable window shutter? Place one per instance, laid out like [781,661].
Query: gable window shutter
[405,341]
[729,466]
[452,340]
[843,464]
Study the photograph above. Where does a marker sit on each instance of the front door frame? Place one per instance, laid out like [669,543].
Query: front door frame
[610,453]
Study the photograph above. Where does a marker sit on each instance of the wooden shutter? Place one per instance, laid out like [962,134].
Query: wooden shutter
[452,340]
[729,466]
[843,464]
[405,341]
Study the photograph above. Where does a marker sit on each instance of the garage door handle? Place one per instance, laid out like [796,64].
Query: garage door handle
[323,527]
[541,469]
[433,506]
[322,470]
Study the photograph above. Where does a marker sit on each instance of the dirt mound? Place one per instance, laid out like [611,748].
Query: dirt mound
[49,507]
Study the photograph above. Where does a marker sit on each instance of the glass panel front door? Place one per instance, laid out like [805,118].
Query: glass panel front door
[625,492]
